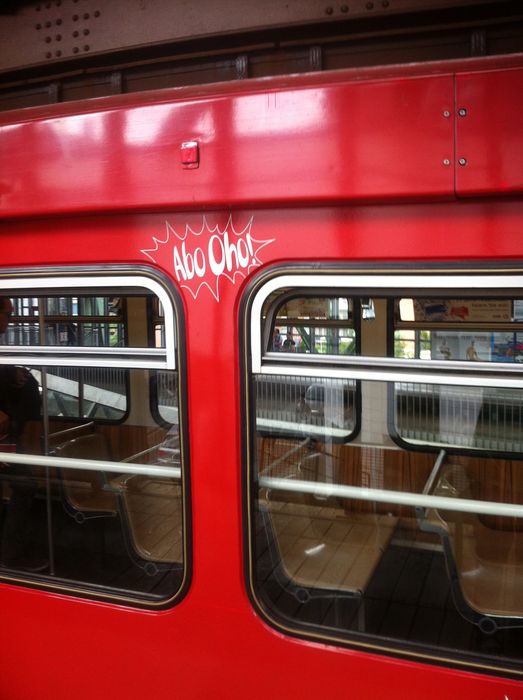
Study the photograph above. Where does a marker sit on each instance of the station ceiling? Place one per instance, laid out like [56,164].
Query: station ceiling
[62,50]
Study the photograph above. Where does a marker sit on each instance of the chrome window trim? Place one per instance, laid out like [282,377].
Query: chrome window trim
[403,498]
[105,361]
[91,465]
[301,428]
[385,369]
[397,363]
[83,349]
[394,375]
[11,286]
[367,282]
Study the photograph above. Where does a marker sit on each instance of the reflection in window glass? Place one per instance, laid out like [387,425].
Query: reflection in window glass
[473,330]
[58,511]
[314,325]
[351,457]
[111,321]
[71,320]
[86,526]
[97,392]
[326,558]
[167,396]
[306,405]
[487,418]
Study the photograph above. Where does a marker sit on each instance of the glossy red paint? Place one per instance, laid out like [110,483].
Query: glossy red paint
[374,135]
[132,154]
[213,641]
[489,132]
[213,644]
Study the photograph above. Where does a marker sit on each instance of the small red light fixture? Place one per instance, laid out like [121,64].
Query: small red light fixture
[190,154]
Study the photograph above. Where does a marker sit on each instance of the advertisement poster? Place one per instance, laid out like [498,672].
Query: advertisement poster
[463,311]
[474,347]
[477,347]
[507,347]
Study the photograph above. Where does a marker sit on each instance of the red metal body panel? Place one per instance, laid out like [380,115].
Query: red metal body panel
[489,132]
[213,644]
[243,140]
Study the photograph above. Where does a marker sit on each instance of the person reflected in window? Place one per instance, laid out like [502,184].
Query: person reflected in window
[472,354]
[288,344]
[20,431]
[445,350]
[276,340]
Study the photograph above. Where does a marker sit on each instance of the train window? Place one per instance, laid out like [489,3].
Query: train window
[484,330]
[318,324]
[296,403]
[75,321]
[92,481]
[385,498]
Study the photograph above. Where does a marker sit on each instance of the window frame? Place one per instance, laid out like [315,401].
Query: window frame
[72,280]
[365,281]
[98,356]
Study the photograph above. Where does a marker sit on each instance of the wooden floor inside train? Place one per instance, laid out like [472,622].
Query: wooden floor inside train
[407,599]
[358,569]
[109,533]
[94,553]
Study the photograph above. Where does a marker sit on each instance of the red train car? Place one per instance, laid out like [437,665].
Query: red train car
[260,392]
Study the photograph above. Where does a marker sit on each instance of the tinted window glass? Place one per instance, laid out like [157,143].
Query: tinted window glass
[88,509]
[386,491]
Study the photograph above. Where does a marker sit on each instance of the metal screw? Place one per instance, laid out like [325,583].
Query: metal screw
[446,113]
[329,10]
[344,8]
[462,112]
[446,161]
[370,6]
[462,161]
[97,13]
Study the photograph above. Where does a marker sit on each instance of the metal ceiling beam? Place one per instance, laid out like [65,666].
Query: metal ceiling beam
[56,32]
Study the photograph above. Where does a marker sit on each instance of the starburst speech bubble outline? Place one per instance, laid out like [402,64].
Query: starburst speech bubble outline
[228,254]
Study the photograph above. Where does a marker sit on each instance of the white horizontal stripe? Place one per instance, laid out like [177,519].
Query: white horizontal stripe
[397,363]
[33,286]
[307,429]
[404,283]
[83,350]
[462,505]
[107,360]
[91,465]
[393,375]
